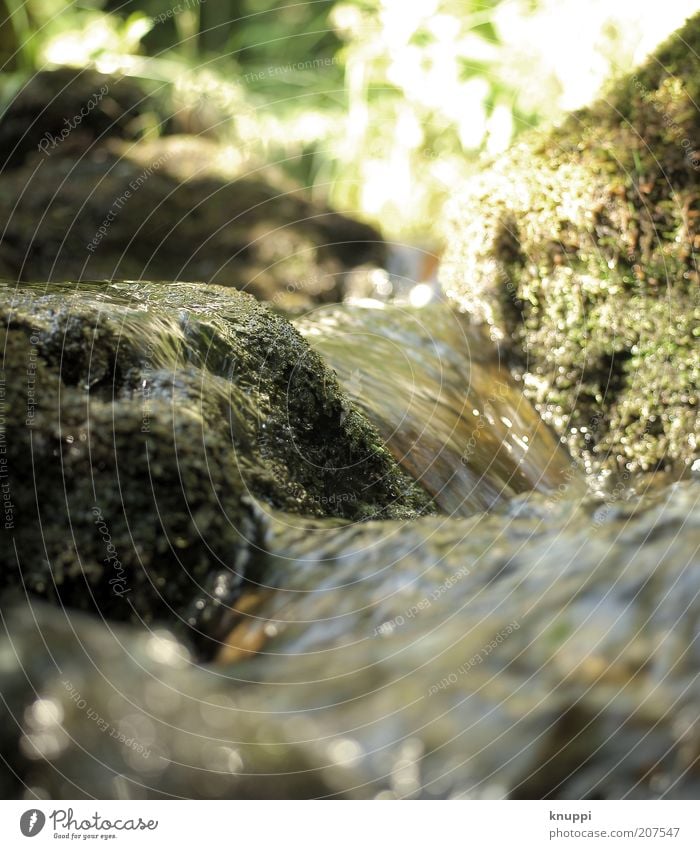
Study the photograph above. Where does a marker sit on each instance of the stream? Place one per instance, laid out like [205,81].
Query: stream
[409,591]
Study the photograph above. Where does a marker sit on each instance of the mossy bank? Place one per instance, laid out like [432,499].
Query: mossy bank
[579,249]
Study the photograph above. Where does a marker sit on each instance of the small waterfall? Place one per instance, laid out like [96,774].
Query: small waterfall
[449,413]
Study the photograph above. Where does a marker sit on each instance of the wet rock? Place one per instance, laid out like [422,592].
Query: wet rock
[579,250]
[139,423]
[543,651]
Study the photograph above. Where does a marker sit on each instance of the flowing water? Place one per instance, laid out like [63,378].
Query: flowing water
[448,411]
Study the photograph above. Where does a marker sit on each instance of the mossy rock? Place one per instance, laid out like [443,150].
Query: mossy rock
[84,196]
[142,424]
[71,108]
[579,249]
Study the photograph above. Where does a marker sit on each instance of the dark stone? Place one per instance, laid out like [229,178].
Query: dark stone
[84,105]
[140,423]
[150,212]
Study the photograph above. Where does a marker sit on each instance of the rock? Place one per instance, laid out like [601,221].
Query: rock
[129,750]
[67,109]
[579,249]
[100,207]
[140,422]
[546,650]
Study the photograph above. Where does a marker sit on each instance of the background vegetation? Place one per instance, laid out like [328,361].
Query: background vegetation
[379,106]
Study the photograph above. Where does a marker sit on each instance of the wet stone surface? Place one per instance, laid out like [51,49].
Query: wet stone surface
[140,422]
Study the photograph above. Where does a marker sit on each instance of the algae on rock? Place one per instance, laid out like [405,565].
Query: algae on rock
[579,249]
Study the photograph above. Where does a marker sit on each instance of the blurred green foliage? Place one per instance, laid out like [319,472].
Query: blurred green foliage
[377,105]
[381,107]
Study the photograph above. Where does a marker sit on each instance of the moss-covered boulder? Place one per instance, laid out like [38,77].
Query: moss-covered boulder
[140,423]
[170,210]
[579,249]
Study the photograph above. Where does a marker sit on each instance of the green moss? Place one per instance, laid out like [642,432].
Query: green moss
[579,250]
